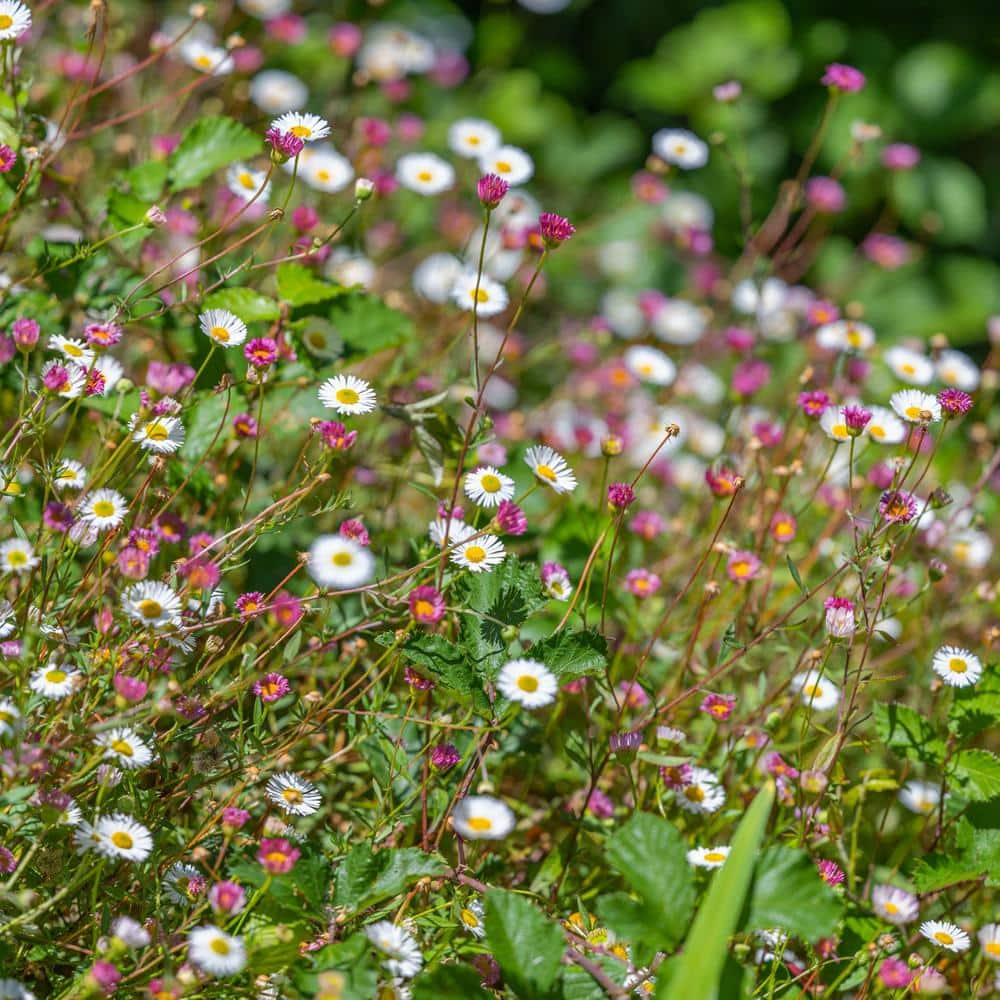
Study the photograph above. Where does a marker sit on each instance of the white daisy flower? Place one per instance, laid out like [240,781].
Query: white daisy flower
[103,509]
[471,917]
[216,952]
[223,327]
[681,148]
[305,126]
[957,667]
[512,164]
[120,836]
[488,486]
[161,435]
[404,957]
[920,797]
[339,563]
[152,603]
[73,378]
[679,322]
[130,932]
[845,335]
[481,294]
[479,555]
[350,269]
[293,794]
[211,59]
[703,794]
[68,474]
[482,817]
[473,137]
[443,532]
[650,365]
[177,881]
[245,182]
[916,407]
[53,681]
[708,857]
[909,366]
[347,394]
[10,717]
[816,691]
[7,620]
[989,939]
[971,549]
[424,173]
[884,427]
[527,682]
[435,276]
[77,351]
[833,424]
[958,371]
[896,906]
[70,815]
[15,19]
[275,91]
[17,556]
[550,468]
[124,748]
[945,935]
[327,171]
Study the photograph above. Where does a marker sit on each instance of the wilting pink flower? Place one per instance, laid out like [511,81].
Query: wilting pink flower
[621,496]
[133,563]
[776,766]
[727,92]
[889,252]
[130,688]
[783,527]
[742,566]
[227,897]
[750,376]
[102,334]
[739,338]
[839,617]
[57,516]
[895,974]
[491,190]
[555,229]
[555,580]
[625,744]
[633,694]
[25,333]
[353,528]
[647,524]
[249,605]
[829,872]
[820,311]
[285,144]
[287,609]
[169,378]
[335,435]
[104,976]
[954,402]
[277,855]
[825,195]
[235,818]
[7,158]
[8,862]
[599,805]
[272,687]
[642,583]
[345,39]
[511,519]
[814,403]
[444,757]
[719,706]
[415,681]
[721,481]
[900,156]
[426,604]
[856,418]
[648,187]
[677,775]
[844,78]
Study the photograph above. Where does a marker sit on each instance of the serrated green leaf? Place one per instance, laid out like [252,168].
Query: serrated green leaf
[207,145]
[908,733]
[448,982]
[527,944]
[208,414]
[980,772]
[368,325]
[299,286]
[351,972]
[249,305]
[935,871]
[569,654]
[448,664]
[366,877]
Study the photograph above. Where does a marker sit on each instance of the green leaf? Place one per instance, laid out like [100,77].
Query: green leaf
[448,665]
[346,969]
[699,969]
[980,771]
[571,653]
[794,570]
[528,946]
[976,708]
[209,414]
[652,856]
[207,145]
[908,733]
[299,286]
[945,194]
[936,871]
[789,893]
[147,179]
[249,305]
[368,325]
[366,877]
[448,982]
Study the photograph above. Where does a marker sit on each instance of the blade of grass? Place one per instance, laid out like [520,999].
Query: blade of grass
[697,972]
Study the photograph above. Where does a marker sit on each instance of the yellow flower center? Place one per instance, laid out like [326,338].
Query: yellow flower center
[957,665]
[942,937]
[812,690]
[157,432]
[247,181]
[55,676]
[694,794]
[220,946]
[121,840]
[473,140]
[992,947]
[425,176]
[715,856]
[104,508]
[16,558]
[292,796]
[424,608]
[480,823]
[503,167]
[5,21]
[204,62]
[490,483]
[342,559]
[122,747]
[219,333]
[72,350]
[876,431]
[475,553]
[527,683]
[480,295]
[469,918]
[546,472]
[347,396]
[323,175]
[741,568]
[907,368]
[301,131]
[149,608]
[891,908]
[854,337]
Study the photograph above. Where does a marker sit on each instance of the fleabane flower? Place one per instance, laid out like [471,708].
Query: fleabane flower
[479,293]
[482,817]
[120,836]
[650,365]
[480,554]
[921,797]
[816,691]
[293,794]
[403,955]
[909,366]
[945,935]
[123,747]
[160,435]
[472,916]
[510,163]
[53,681]
[339,563]
[989,940]
[702,793]
[77,351]
[223,327]
[957,667]
[104,509]
[488,486]
[347,394]
[10,717]
[885,427]
[68,474]
[15,19]
[550,468]
[845,335]
[473,138]
[680,148]
[708,857]
[527,682]
[215,952]
[17,556]
[64,378]
[152,604]
[210,59]
[425,173]
[304,126]
[916,407]
[898,506]
[248,184]
[426,604]
[896,906]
